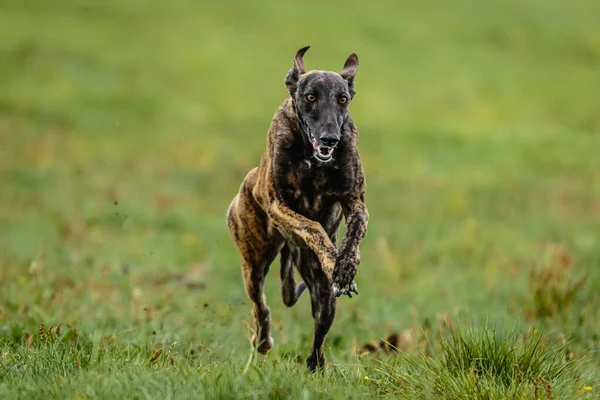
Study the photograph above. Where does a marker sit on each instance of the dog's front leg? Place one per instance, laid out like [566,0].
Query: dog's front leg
[308,230]
[348,258]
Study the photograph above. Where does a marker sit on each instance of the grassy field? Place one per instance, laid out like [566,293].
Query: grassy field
[126,128]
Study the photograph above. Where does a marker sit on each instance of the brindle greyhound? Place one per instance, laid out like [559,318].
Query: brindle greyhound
[292,204]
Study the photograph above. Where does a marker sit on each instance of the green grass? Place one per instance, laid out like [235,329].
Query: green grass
[490,364]
[127,127]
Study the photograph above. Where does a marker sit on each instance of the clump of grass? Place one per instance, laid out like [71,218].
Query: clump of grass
[553,284]
[50,347]
[488,364]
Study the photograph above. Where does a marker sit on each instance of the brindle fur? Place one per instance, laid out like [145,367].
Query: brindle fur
[293,203]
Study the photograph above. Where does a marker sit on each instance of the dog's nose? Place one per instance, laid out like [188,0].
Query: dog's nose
[330,139]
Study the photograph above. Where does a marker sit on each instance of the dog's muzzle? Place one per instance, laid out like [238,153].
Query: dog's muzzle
[322,152]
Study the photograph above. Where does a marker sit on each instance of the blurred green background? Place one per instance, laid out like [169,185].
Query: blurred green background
[126,128]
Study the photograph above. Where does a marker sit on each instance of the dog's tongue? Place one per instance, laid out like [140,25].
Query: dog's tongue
[315,145]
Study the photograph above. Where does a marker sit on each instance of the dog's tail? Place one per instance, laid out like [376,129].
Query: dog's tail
[289,291]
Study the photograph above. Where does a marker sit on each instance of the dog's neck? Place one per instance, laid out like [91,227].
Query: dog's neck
[296,128]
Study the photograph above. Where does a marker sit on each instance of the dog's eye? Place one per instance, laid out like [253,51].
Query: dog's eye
[343,100]
[310,97]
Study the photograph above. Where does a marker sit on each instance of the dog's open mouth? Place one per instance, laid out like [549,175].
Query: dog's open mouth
[321,153]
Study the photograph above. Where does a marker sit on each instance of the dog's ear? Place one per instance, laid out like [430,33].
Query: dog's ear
[349,71]
[291,80]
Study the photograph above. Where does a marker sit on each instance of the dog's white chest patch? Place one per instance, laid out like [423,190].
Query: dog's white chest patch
[308,162]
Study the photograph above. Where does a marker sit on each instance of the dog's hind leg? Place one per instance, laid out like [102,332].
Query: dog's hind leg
[289,291]
[254,272]
[323,306]
[247,225]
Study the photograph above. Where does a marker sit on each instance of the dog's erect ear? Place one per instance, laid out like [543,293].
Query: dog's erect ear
[350,67]
[291,80]
[349,71]
[299,62]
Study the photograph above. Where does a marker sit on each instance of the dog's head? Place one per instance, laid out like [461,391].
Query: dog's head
[321,100]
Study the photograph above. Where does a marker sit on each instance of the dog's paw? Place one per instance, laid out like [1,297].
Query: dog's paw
[264,345]
[343,275]
[315,362]
[348,290]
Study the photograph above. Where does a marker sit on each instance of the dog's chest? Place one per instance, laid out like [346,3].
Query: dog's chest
[316,189]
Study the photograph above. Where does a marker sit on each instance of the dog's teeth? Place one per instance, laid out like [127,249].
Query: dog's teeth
[325,151]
